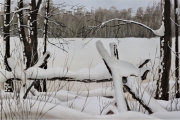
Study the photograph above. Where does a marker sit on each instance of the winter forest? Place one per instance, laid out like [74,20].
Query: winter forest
[64,61]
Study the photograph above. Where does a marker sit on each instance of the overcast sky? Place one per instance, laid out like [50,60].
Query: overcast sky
[119,4]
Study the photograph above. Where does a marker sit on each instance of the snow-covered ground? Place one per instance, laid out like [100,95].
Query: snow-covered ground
[76,100]
[130,49]
[80,56]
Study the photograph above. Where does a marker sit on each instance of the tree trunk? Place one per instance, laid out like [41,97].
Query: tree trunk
[33,40]
[33,31]
[176,49]
[6,30]
[46,25]
[166,43]
[26,46]
[45,33]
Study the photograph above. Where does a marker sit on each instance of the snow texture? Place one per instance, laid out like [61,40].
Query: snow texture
[63,95]
[171,105]
[35,109]
[124,68]
[160,31]
[92,105]
[167,115]
[98,72]
[141,93]
[114,54]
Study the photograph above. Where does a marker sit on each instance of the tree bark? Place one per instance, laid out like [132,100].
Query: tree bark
[46,25]
[26,46]
[32,37]
[33,31]
[6,30]
[166,43]
[176,49]
[45,33]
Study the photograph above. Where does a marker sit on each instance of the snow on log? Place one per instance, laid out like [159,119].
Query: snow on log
[143,70]
[55,72]
[98,72]
[124,68]
[119,69]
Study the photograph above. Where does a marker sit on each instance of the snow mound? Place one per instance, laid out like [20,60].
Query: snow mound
[35,109]
[171,105]
[92,105]
[167,115]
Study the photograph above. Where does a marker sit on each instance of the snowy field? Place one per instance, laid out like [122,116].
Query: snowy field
[77,100]
[81,55]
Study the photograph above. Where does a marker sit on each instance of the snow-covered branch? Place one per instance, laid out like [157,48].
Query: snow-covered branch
[124,69]
[158,32]
[175,22]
